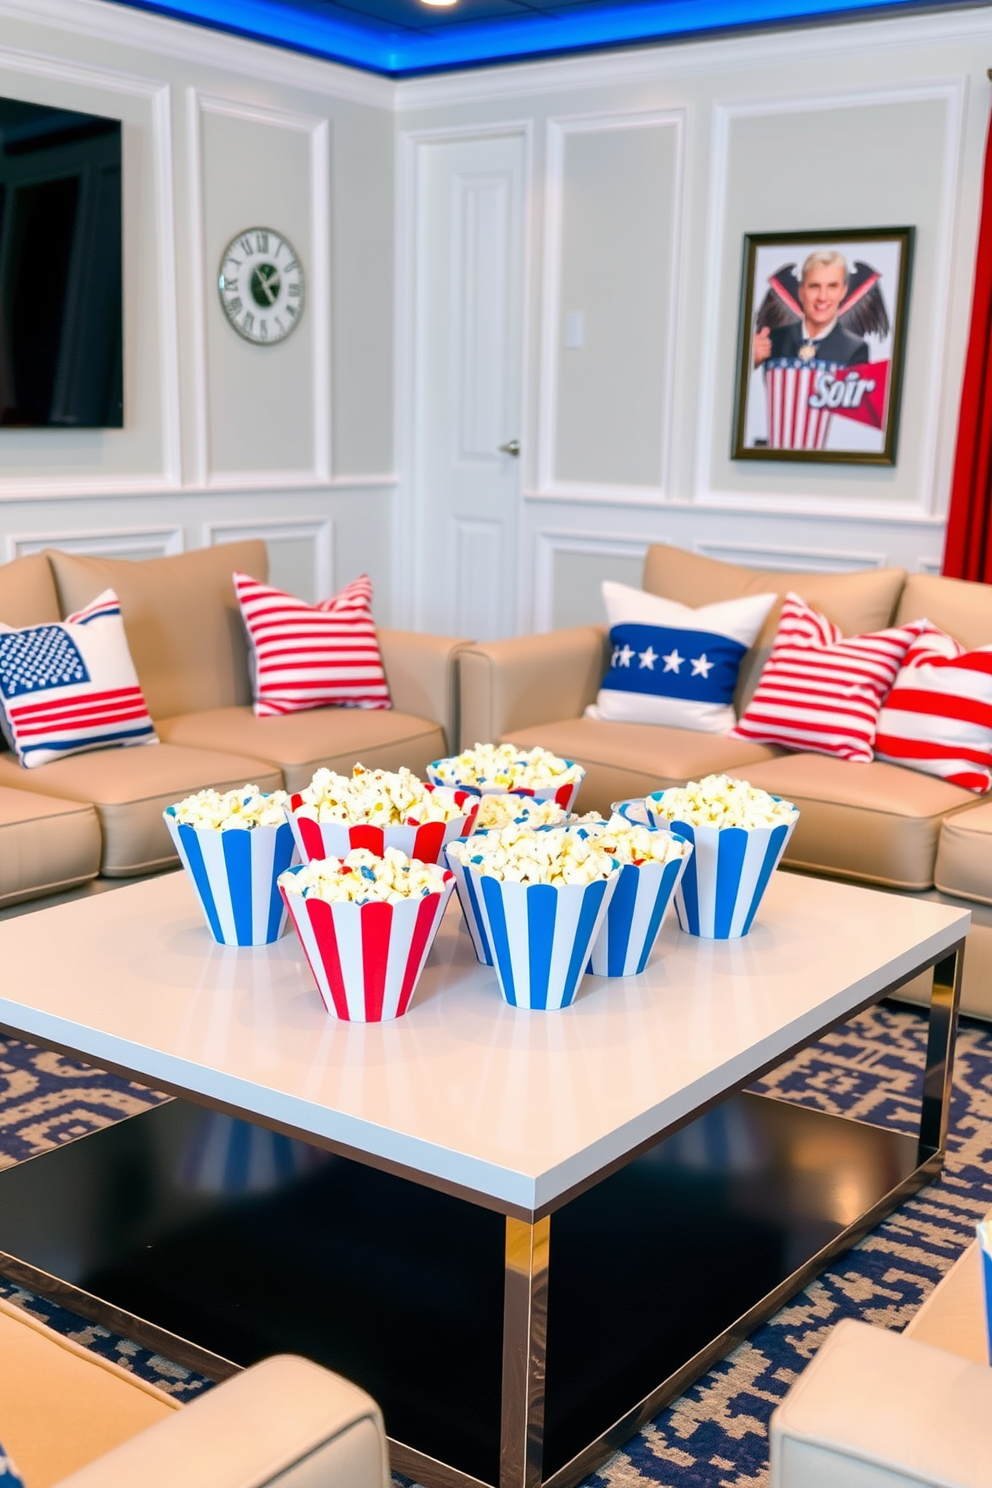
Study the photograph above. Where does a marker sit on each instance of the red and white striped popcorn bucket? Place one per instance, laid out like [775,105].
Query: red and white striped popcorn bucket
[541,936]
[563,795]
[426,843]
[798,417]
[367,958]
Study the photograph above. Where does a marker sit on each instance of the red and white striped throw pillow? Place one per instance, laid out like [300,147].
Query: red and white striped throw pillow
[306,656]
[938,716]
[820,691]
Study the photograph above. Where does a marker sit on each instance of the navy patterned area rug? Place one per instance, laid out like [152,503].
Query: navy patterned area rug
[716,1435]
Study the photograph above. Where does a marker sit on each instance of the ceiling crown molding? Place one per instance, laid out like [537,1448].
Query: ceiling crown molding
[664,61]
[191,43]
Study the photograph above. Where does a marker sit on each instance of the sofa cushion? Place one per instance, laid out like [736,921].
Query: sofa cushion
[311,656]
[649,679]
[961,608]
[27,592]
[300,743]
[63,1405]
[820,690]
[873,823]
[71,687]
[181,616]
[45,844]
[632,759]
[938,716]
[131,795]
[964,855]
[854,601]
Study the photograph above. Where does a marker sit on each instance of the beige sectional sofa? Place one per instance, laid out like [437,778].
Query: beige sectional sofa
[64,822]
[876,823]
[877,1409]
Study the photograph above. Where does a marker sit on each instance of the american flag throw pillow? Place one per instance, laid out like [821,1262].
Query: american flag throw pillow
[71,687]
[938,716]
[820,691]
[306,656]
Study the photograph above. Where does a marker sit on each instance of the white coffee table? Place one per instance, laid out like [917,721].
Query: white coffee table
[522,1114]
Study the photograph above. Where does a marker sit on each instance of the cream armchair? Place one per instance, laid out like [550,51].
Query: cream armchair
[70,1419]
[877,1409]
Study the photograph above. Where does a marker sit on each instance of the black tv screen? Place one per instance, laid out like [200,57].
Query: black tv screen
[61,352]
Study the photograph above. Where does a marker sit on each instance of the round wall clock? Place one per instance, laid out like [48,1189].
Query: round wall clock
[261,285]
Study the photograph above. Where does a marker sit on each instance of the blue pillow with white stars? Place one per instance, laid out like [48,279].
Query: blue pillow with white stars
[674,665]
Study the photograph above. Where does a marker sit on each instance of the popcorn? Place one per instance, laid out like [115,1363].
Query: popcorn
[222,810]
[500,811]
[720,801]
[381,798]
[552,855]
[507,767]
[364,878]
[627,842]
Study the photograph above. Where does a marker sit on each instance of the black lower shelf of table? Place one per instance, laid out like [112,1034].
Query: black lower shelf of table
[401,1288]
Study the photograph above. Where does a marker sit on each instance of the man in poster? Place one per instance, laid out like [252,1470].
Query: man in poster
[818,334]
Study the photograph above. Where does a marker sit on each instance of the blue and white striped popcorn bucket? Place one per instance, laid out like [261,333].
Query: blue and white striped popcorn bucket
[984,1228]
[634,917]
[235,874]
[541,936]
[468,899]
[726,875]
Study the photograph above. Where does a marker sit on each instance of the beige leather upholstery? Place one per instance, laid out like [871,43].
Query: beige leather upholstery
[877,1410]
[73,1419]
[299,743]
[183,624]
[285,1422]
[963,609]
[27,592]
[632,759]
[422,673]
[873,823]
[130,789]
[45,844]
[953,1316]
[857,602]
[63,1405]
[511,685]
[964,855]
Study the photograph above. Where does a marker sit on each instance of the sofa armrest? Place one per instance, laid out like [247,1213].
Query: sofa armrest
[422,672]
[507,685]
[281,1414]
[877,1408]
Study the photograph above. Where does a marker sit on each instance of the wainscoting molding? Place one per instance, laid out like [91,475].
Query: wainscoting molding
[318,294]
[787,560]
[158,96]
[548,542]
[558,131]
[111,542]
[952,93]
[318,532]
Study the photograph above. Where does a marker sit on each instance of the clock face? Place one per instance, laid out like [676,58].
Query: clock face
[261,285]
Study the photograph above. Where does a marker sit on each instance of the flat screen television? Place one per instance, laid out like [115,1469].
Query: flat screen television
[61,351]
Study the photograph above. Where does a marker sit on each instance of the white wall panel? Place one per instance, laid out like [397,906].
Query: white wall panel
[301,552]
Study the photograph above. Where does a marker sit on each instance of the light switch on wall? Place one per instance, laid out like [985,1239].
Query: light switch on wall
[575,325]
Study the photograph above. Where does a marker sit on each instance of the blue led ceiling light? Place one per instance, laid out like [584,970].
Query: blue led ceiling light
[400,38]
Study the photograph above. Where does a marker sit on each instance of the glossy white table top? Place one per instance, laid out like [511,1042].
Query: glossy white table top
[513,1106]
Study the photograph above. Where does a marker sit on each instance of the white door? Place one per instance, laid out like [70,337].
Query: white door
[467,402]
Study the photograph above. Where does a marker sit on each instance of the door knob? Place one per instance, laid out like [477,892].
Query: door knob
[511,447]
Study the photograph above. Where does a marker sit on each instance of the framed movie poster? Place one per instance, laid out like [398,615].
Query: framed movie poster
[822,338]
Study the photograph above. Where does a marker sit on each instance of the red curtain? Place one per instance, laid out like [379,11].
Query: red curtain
[968,550]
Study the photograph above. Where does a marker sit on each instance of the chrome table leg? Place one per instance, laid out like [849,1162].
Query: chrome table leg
[525,1315]
[935,1109]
